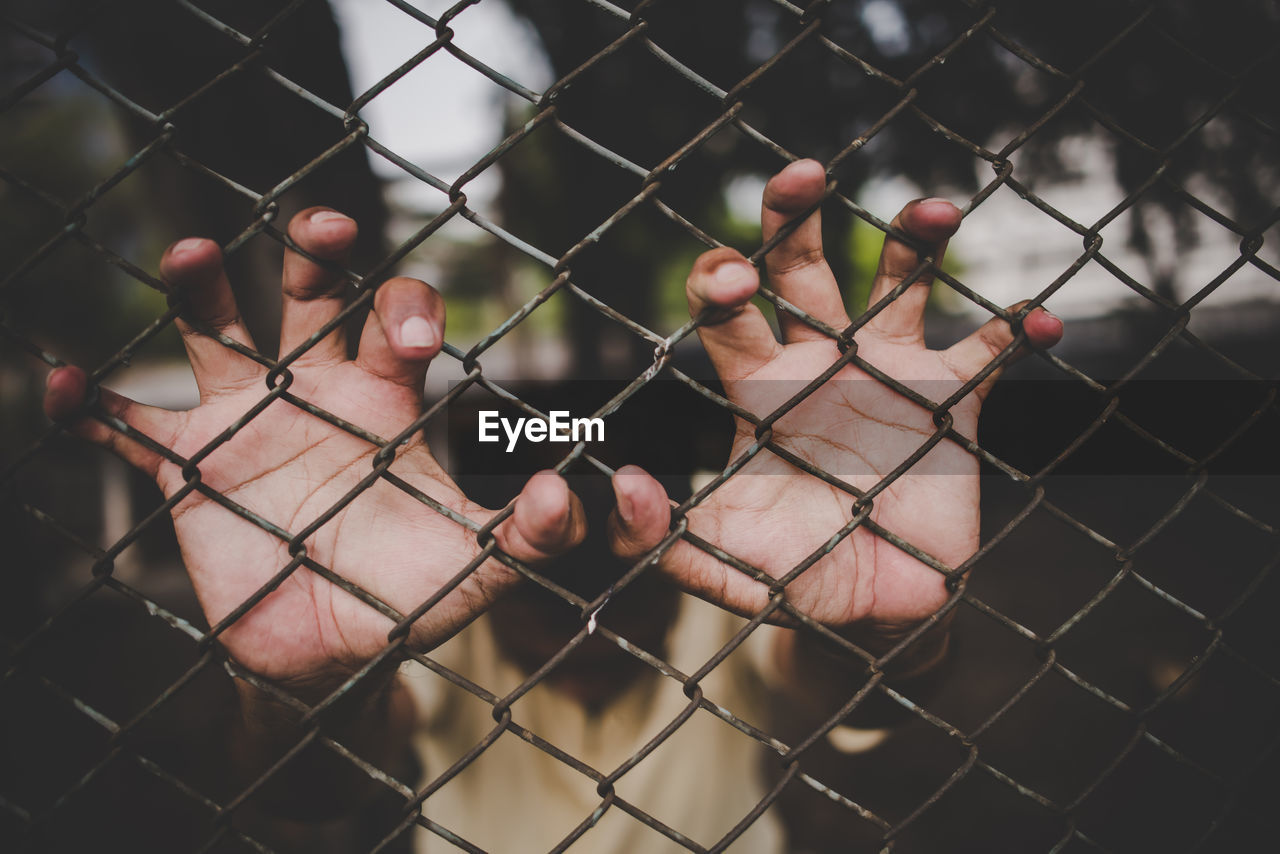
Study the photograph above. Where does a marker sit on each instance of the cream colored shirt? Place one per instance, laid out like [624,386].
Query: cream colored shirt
[516,798]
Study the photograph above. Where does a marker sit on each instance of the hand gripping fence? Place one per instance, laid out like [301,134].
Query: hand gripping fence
[1033,740]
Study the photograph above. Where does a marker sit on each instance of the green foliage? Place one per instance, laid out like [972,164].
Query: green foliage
[66,146]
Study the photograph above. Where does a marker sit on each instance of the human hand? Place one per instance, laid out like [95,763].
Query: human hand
[773,515]
[289,467]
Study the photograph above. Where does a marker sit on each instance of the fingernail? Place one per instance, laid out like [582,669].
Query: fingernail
[626,510]
[735,273]
[328,216]
[808,163]
[417,332]
[187,245]
[937,201]
[1051,316]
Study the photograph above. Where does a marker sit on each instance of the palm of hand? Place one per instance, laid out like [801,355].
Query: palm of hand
[290,467]
[853,427]
[859,430]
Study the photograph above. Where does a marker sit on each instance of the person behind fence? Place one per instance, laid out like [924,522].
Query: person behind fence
[309,636]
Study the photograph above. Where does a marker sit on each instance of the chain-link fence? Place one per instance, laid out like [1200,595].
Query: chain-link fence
[1113,678]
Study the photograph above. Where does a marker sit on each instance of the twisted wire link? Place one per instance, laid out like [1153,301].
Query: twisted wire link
[649,182]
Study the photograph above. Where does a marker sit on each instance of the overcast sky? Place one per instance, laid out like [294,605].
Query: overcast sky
[443,115]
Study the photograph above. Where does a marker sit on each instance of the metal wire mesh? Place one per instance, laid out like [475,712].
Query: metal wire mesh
[1220,799]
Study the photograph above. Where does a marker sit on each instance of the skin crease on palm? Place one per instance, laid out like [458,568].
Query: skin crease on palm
[851,426]
[289,466]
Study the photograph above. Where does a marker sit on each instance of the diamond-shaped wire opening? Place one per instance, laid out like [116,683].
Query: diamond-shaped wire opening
[1088,734]
[1134,540]
[1167,808]
[1167,642]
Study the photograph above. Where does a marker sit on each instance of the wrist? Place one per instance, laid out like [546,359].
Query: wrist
[373,720]
[831,674]
[898,661]
[270,709]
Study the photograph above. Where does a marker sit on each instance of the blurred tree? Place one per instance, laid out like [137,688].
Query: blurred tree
[1144,93]
[244,126]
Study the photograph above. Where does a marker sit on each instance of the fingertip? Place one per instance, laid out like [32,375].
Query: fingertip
[796,187]
[722,278]
[643,512]
[413,315]
[547,487]
[416,338]
[323,232]
[544,513]
[730,284]
[932,220]
[1043,328]
[632,475]
[65,391]
[191,261]
[633,489]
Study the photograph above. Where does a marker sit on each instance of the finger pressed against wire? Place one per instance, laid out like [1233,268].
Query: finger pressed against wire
[193,267]
[797,267]
[403,333]
[313,294]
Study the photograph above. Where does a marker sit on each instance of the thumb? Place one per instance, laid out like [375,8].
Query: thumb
[67,400]
[548,520]
[642,515]
[970,355]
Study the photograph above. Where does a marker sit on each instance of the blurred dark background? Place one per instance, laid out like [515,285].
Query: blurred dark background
[1178,98]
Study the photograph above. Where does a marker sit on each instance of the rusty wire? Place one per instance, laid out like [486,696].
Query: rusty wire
[633,31]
